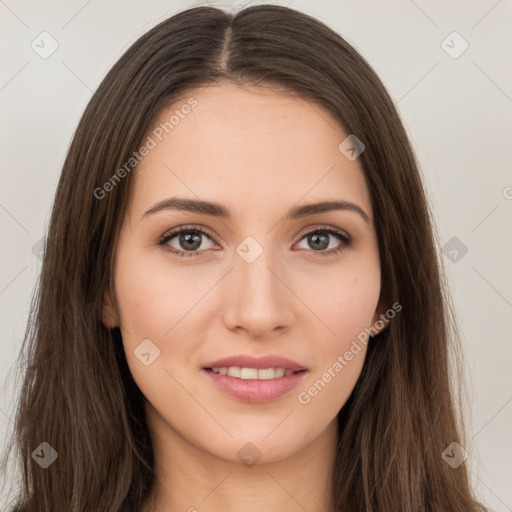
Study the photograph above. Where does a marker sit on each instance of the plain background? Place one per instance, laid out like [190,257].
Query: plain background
[457,112]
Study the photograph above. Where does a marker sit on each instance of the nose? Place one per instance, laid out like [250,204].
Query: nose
[258,298]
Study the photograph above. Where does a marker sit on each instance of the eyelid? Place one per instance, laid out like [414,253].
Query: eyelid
[323,227]
[345,240]
[187,227]
[197,227]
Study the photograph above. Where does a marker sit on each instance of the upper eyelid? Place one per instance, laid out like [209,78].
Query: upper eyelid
[322,227]
[171,233]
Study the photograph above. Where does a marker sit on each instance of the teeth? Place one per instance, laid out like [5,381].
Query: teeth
[234,371]
[253,373]
[279,373]
[248,373]
[266,374]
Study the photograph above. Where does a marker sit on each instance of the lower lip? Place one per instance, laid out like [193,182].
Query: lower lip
[255,391]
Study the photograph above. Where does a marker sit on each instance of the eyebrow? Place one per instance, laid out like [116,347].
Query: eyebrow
[217,210]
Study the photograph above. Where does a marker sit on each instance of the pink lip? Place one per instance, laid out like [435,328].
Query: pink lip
[255,391]
[247,361]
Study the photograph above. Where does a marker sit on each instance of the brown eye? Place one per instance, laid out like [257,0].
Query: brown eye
[185,241]
[320,240]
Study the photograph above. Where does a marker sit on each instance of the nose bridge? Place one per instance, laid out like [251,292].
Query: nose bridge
[252,270]
[258,299]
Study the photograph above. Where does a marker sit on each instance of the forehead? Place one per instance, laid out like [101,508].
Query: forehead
[249,147]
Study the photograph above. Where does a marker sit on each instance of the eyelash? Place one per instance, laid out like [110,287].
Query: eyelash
[169,235]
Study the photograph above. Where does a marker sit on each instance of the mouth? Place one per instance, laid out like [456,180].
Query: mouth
[254,380]
[247,373]
[247,363]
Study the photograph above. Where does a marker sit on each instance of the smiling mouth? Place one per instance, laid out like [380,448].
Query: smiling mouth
[244,373]
[254,385]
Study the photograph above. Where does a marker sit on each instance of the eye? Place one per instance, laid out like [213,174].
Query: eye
[188,240]
[318,240]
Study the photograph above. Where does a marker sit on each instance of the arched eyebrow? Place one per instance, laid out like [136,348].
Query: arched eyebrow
[217,210]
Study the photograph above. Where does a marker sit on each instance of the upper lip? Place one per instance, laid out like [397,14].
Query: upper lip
[247,361]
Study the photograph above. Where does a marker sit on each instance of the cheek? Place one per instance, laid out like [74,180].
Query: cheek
[346,304]
[351,307]
[344,298]
[152,295]
[159,301]
[153,303]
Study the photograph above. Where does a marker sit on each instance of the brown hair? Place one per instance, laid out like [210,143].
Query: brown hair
[78,394]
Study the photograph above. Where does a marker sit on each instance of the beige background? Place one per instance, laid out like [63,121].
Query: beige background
[458,113]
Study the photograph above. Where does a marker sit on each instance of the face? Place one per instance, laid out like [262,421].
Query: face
[254,277]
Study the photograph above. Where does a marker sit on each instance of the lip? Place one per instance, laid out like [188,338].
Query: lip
[247,361]
[254,391]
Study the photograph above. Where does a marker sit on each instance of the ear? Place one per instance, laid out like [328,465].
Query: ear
[380,321]
[109,314]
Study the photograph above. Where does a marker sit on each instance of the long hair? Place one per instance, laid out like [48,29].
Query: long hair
[77,393]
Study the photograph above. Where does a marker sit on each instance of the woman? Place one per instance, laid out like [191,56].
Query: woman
[240,304]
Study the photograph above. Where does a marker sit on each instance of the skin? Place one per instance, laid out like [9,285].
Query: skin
[258,152]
